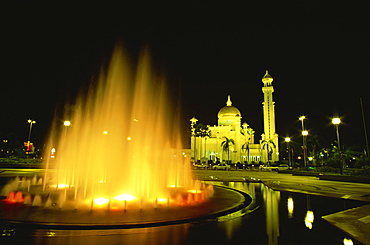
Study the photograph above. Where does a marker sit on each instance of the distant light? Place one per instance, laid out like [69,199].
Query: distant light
[310,158]
[335,120]
[129,138]
[162,200]
[101,201]
[302,118]
[304,132]
[287,139]
[136,120]
[61,186]
[105,132]
[67,123]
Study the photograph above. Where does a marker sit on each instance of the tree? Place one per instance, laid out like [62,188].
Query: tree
[245,148]
[201,130]
[269,146]
[313,142]
[226,146]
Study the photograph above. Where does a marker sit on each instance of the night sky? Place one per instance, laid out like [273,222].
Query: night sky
[317,51]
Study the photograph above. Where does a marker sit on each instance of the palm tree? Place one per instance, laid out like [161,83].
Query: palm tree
[313,142]
[202,131]
[226,146]
[245,148]
[269,146]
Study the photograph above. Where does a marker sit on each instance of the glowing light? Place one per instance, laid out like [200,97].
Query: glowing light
[67,123]
[129,138]
[335,120]
[287,139]
[162,200]
[105,132]
[61,186]
[309,219]
[290,207]
[194,191]
[302,118]
[100,201]
[347,241]
[124,197]
[304,132]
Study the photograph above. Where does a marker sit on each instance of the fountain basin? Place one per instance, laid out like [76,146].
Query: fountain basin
[224,201]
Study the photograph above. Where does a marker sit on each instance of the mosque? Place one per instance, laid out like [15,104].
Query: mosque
[232,141]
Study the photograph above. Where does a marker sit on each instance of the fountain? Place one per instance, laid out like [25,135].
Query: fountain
[122,153]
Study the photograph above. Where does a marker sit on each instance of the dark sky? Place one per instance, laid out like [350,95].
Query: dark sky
[317,51]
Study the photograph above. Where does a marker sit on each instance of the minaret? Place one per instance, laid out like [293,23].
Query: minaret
[269,136]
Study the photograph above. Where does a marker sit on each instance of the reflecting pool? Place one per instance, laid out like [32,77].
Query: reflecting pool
[273,217]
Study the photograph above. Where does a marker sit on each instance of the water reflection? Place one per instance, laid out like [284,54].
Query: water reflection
[290,206]
[272,200]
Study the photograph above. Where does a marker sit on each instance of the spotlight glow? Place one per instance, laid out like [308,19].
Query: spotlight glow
[124,197]
[101,201]
[162,200]
[61,186]
[195,191]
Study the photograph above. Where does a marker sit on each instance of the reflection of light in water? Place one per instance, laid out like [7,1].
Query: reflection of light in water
[290,207]
[347,241]
[272,199]
[308,220]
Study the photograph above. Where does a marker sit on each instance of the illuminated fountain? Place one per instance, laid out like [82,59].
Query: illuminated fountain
[121,151]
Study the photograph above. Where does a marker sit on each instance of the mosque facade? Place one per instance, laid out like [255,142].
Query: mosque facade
[233,141]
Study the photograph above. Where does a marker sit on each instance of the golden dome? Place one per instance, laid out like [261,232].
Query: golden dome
[267,78]
[229,110]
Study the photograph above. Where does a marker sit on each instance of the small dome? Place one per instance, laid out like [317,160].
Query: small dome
[229,110]
[267,78]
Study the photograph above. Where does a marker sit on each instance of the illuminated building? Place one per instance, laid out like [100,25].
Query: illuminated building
[242,147]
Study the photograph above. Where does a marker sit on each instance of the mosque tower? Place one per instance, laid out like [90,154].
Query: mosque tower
[270,139]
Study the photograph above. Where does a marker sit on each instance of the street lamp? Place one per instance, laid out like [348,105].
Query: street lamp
[304,134]
[31,122]
[336,121]
[66,123]
[287,141]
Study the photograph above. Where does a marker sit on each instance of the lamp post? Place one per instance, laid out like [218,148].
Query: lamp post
[66,123]
[31,122]
[287,141]
[304,134]
[336,121]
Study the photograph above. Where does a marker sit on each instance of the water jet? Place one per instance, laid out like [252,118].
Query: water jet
[120,162]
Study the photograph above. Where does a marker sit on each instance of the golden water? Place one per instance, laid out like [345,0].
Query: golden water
[123,139]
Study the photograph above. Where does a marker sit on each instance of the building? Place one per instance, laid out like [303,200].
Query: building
[234,141]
